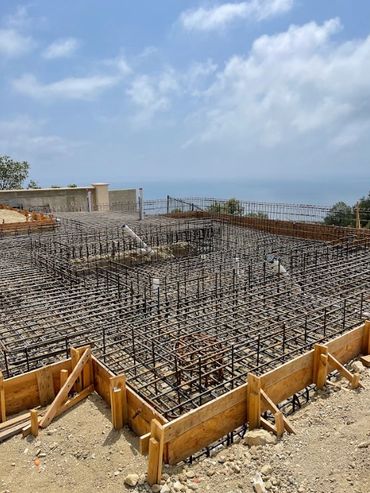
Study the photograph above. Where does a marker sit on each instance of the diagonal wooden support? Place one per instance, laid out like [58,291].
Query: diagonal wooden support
[281,422]
[353,378]
[63,392]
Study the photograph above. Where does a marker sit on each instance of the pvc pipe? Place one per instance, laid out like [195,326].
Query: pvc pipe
[137,238]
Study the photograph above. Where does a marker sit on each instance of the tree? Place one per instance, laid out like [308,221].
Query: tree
[340,214]
[364,209]
[55,186]
[12,173]
[72,185]
[33,185]
[231,206]
[259,215]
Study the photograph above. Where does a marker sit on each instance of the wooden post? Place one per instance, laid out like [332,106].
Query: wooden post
[2,400]
[75,356]
[155,459]
[254,401]
[366,338]
[34,423]
[320,365]
[63,377]
[279,423]
[119,382]
[116,406]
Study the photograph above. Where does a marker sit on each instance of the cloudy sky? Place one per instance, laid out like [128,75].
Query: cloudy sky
[186,90]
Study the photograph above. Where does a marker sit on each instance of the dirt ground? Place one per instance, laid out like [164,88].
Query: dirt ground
[80,452]
[8,216]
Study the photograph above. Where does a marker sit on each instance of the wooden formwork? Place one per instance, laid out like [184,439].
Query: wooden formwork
[173,441]
[313,231]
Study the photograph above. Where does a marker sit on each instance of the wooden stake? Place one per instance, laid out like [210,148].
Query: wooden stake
[119,382]
[279,423]
[75,356]
[155,459]
[34,423]
[63,377]
[63,392]
[366,339]
[320,365]
[116,406]
[2,400]
[254,401]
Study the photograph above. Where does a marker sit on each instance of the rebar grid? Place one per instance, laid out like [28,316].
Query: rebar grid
[220,310]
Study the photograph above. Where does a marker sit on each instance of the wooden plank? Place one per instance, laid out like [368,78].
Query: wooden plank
[254,401]
[13,421]
[207,432]
[2,400]
[45,386]
[207,411]
[21,391]
[10,432]
[365,360]
[366,339]
[63,392]
[320,365]
[267,425]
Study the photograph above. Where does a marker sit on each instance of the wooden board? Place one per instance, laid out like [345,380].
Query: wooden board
[45,385]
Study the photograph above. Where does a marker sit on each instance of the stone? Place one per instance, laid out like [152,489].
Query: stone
[266,470]
[131,479]
[259,437]
[165,489]
[177,486]
[190,474]
[357,367]
[258,484]
[156,488]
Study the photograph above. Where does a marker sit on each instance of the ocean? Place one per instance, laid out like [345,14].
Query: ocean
[323,193]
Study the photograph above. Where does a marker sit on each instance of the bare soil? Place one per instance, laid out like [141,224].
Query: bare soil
[8,216]
[80,452]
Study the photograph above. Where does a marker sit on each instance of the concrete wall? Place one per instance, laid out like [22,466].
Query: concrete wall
[123,200]
[71,199]
[53,199]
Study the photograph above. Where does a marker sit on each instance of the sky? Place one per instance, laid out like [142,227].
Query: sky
[183,91]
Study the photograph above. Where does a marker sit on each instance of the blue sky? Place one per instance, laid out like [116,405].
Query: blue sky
[182,90]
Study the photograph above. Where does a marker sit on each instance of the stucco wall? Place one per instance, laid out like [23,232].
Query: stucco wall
[55,199]
[123,200]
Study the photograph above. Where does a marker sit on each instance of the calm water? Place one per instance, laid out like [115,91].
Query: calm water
[321,193]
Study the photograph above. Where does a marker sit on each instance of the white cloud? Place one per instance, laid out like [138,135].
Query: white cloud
[14,44]
[69,88]
[61,48]
[218,17]
[293,89]
[153,94]
[25,137]
[119,64]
